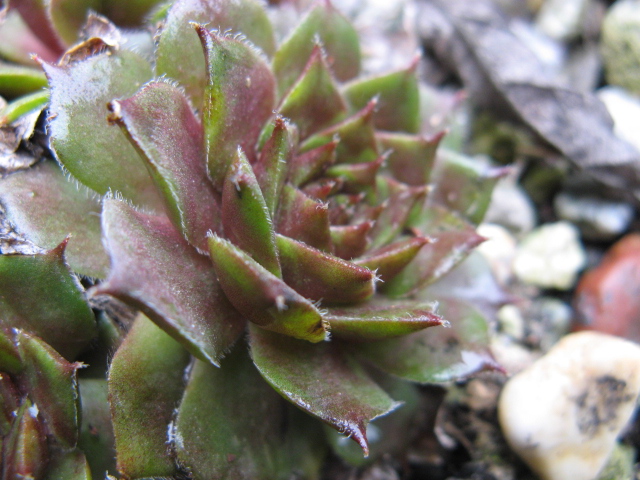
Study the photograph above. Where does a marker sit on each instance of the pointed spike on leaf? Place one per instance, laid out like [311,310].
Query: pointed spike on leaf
[245,216]
[239,99]
[320,276]
[388,261]
[160,122]
[303,219]
[350,241]
[311,164]
[314,102]
[357,177]
[411,157]
[323,189]
[262,297]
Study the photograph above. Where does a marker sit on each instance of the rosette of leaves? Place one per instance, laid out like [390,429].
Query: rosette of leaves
[278,222]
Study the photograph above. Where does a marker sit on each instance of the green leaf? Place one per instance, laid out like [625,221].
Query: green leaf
[436,355]
[320,276]
[92,151]
[356,177]
[179,53]
[239,99]
[411,157]
[22,106]
[388,261]
[41,296]
[261,297]
[155,270]
[71,465]
[46,207]
[17,80]
[145,386]
[25,451]
[128,13]
[9,357]
[161,124]
[310,165]
[321,380]
[68,16]
[338,38]
[9,401]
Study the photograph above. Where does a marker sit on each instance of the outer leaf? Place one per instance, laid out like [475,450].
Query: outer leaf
[17,80]
[322,381]
[239,99]
[46,207]
[25,451]
[39,295]
[161,124]
[436,355]
[337,37]
[179,53]
[230,422]
[154,269]
[93,152]
[18,42]
[145,386]
[262,297]
[303,219]
[411,157]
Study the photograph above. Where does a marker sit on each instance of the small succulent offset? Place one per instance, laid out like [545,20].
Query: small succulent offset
[277,221]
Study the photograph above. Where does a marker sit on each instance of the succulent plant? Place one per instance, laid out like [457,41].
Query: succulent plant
[278,222]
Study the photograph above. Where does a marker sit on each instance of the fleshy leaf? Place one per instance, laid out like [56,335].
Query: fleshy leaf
[93,152]
[398,99]
[320,380]
[411,157]
[71,465]
[25,452]
[313,103]
[18,42]
[179,52]
[68,16]
[9,357]
[320,276]
[60,316]
[36,15]
[309,165]
[303,219]
[161,124]
[436,355]
[338,38]
[126,12]
[239,99]
[377,321]
[20,107]
[388,261]
[245,216]
[145,386]
[53,387]
[262,297]
[357,177]
[17,80]
[154,269]
[350,241]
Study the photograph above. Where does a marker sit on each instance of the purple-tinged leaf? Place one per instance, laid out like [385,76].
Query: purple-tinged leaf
[68,16]
[338,38]
[92,151]
[161,124]
[314,102]
[388,261]
[357,137]
[230,423]
[245,216]
[274,162]
[239,99]
[322,189]
[52,387]
[35,14]
[46,207]
[310,165]
[398,99]
[154,269]
[378,321]
[179,53]
[350,241]
[25,451]
[145,386]
[437,355]
[320,276]
[263,298]
[411,157]
[357,177]
[303,219]
[18,43]
[60,316]
[321,380]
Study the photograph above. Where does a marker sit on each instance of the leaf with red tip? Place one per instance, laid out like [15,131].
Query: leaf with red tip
[179,52]
[25,451]
[357,137]
[46,207]
[262,297]
[437,355]
[239,99]
[145,386]
[53,388]
[398,99]
[320,276]
[310,165]
[411,157]
[95,153]
[154,269]
[314,102]
[350,241]
[388,261]
[357,177]
[378,321]
[60,316]
[338,38]
[160,123]
[321,380]
[245,216]
[303,219]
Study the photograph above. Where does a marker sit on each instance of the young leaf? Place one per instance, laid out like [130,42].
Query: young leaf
[17,80]
[388,261]
[25,451]
[310,165]
[411,157]
[350,241]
